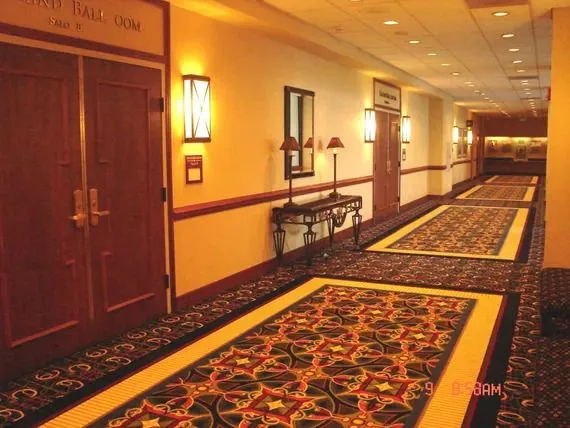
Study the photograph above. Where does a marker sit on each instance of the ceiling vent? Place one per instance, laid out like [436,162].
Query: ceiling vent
[519,78]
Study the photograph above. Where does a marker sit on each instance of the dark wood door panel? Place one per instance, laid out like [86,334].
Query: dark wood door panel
[124,165]
[43,302]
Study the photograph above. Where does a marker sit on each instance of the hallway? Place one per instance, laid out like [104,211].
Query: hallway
[529,389]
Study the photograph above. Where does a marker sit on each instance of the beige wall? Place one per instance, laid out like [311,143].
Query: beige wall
[557,188]
[415,185]
[461,172]
[248,73]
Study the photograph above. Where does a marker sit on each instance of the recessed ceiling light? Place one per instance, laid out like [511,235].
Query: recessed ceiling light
[507,35]
[477,91]
[339,29]
[414,42]
[432,54]
[391,22]
[520,70]
[524,83]
[500,14]
[455,73]
[514,49]
[517,61]
[468,83]
[445,64]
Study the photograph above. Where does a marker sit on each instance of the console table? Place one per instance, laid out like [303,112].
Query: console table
[331,210]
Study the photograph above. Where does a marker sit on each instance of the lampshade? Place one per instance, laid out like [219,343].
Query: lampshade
[335,143]
[310,143]
[290,144]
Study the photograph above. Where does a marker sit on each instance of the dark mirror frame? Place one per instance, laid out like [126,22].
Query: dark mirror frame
[287,95]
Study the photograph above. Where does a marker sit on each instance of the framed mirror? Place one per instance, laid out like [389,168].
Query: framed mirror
[299,123]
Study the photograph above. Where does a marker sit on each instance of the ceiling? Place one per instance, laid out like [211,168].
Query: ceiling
[472,61]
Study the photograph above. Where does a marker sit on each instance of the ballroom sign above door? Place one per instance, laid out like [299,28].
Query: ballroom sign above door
[131,24]
[386,96]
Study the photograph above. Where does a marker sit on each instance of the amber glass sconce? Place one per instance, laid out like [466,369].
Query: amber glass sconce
[455,135]
[369,125]
[469,126]
[197,120]
[406,129]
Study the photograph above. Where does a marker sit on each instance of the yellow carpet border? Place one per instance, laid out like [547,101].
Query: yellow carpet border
[509,250]
[464,364]
[528,197]
[496,177]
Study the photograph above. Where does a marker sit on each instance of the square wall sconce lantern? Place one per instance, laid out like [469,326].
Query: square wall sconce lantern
[469,126]
[369,125]
[455,135]
[406,129]
[197,120]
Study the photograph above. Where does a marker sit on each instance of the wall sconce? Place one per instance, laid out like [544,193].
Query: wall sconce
[369,125]
[469,126]
[455,135]
[197,121]
[406,129]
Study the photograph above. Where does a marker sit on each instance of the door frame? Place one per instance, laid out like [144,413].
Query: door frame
[22,36]
[374,153]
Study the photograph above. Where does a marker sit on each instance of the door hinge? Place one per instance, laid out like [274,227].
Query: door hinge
[166,282]
[399,164]
[163,194]
[374,208]
[398,199]
[162,105]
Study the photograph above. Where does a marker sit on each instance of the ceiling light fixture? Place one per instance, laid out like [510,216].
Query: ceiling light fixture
[414,42]
[445,64]
[432,54]
[508,35]
[500,14]
[391,22]
[468,83]
[514,49]
[517,61]
[521,70]
[455,73]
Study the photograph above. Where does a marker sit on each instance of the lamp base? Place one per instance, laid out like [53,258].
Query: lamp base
[334,195]
[290,204]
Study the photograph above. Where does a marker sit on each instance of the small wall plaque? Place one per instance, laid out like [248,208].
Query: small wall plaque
[193,169]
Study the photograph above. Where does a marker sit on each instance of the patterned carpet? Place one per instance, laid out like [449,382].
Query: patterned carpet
[500,193]
[460,231]
[513,179]
[345,353]
[31,398]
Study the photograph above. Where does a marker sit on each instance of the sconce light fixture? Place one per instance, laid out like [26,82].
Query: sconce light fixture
[334,144]
[455,135]
[469,126]
[406,129]
[197,121]
[369,125]
[289,146]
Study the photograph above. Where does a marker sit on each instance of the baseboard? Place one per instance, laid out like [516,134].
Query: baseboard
[254,272]
[416,203]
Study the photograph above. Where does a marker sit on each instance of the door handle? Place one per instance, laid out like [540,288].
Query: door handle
[79,216]
[94,207]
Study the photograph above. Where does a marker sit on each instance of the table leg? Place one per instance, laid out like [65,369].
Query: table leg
[331,227]
[279,240]
[309,236]
[356,222]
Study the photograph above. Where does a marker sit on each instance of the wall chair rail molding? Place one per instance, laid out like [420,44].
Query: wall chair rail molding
[423,168]
[197,210]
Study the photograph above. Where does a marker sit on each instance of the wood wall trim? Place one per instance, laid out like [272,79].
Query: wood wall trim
[196,210]
[259,270]
[423,168]
[461,162]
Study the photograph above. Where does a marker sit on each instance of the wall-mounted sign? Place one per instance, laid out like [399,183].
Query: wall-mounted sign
[193,169]
[132,24]
[387,96]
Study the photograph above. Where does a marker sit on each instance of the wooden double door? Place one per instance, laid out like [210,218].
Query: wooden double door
[386,165]
[81,211]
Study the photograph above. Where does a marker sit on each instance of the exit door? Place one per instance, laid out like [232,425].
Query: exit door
[81,216]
